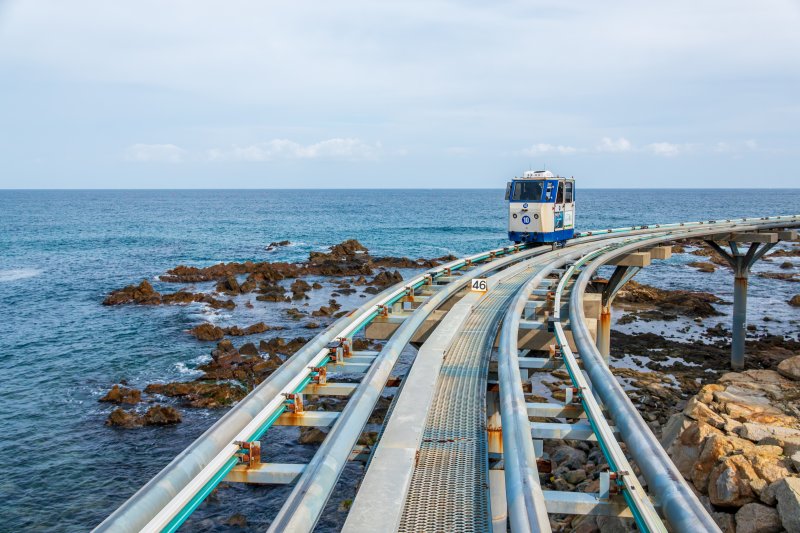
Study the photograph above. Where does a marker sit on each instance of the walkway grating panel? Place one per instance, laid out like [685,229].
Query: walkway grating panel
[449,486]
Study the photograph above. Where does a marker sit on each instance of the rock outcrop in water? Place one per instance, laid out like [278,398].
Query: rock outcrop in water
[144,294]
[667,305]
[230,374]
[121,394]
[157,415]
[211,332]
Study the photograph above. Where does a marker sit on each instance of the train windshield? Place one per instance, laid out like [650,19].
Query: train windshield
[527,191]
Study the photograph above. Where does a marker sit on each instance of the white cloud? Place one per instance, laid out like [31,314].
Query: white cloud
[664,149]
[338,148]
[543,148]
[736,146]
[168,153]
[610,145]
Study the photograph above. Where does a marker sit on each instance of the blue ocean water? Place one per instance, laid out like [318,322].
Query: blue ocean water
[61,252]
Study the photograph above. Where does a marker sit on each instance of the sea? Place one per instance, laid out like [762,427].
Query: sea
[63,251]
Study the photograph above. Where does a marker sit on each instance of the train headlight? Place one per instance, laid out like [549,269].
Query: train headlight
[535,216]
[514,215]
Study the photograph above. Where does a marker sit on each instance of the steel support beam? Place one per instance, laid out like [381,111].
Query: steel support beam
[562,502]
[741,264]
[266,473]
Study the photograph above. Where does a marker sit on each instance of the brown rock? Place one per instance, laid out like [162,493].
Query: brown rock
[199,394]
[161,415]
[311,435]
[702,266]
[142,294]
[248,349]
[124,419]
[386,278]
[119,394]
[790,368]
[230,285]
[702,413]
[729,484]
[237,520]
[688,303]
[795,300]
[715,448]
[207,332]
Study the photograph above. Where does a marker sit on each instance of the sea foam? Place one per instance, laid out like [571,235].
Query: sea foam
[15,274]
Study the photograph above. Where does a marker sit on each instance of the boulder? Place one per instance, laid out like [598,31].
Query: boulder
[715,448]
[787,493]
[161,415]
[702,413]
[725,521]
[157,415]
[758,432]
[702,266]
[124,419]
[119,394]
[277,244]
[229,285]
[311,435]
[729,482]
[758,518]
[795,300]
[236,520]
[769,466]
[248,349]
[568,457]
[207,332]
[143,294]
[790,368]
[386,278]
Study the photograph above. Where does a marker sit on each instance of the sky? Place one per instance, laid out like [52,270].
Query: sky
[419,94]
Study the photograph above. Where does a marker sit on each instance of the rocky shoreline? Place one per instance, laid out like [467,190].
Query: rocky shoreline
[232,372]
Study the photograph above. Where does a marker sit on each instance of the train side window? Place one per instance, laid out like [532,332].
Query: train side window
[560,193]
[568,192]
[508,190]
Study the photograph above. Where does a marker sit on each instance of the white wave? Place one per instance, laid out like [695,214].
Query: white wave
[182,368]
[15,274]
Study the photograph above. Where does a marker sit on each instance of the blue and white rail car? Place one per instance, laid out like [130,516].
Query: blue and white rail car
[541,208]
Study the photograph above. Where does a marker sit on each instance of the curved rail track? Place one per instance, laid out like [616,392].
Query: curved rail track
[458,449]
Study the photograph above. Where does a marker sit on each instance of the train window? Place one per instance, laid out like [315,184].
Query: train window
[560,193]
[527,191]
[568,192]
[508,190]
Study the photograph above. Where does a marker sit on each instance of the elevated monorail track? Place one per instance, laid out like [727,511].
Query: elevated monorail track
[458,450]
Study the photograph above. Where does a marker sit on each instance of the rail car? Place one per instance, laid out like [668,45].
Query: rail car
[541,208]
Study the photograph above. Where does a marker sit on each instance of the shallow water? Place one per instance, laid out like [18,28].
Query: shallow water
[61,252]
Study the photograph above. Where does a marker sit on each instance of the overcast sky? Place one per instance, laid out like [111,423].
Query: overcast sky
[196,94]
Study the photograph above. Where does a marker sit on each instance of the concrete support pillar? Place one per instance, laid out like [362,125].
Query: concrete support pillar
[739,319]
[604,332]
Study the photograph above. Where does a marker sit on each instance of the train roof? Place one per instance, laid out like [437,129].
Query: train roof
[540,174]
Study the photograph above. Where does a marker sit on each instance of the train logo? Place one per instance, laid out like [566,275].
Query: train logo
[541,208]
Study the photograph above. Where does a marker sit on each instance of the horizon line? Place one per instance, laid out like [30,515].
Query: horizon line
[2,189]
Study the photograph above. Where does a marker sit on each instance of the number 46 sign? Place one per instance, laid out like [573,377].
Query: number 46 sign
[479,285]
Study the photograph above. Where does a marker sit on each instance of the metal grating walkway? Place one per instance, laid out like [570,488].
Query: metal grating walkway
[449,487]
